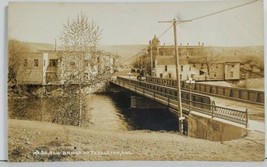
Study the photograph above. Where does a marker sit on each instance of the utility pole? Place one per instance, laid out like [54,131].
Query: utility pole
[177,65]
[151,59]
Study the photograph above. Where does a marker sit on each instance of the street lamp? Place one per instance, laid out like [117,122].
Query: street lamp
[190,81]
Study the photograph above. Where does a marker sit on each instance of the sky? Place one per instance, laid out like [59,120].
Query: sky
[137,23]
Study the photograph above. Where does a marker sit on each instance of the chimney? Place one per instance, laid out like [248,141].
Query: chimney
[187,45]
[198,43]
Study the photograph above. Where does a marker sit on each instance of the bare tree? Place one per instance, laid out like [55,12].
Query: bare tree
[208,58]
[15,50]
[79,38]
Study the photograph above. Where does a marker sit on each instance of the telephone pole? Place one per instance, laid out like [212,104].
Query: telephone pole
[177,65]
[151,59]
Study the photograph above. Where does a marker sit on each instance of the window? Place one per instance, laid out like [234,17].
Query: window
[231,74]
[160,75]
[192,75]
[233,65]
[166,68]
[25,63]
[36,62]
[182,68]
[216,66]
[53,62]
[170,75]
[215,75]
[181,76]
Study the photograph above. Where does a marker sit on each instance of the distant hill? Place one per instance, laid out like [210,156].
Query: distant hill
[124,51]
[242,54]
[34,46]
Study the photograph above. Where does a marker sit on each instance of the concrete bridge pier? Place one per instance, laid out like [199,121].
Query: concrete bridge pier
[214,130]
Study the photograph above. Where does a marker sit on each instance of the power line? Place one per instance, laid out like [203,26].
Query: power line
[211,14]
[196,18]
[135,55]
[165,32]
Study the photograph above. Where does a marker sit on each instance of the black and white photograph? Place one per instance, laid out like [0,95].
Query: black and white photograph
[153,81]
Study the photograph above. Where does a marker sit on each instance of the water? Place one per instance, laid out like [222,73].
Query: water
[105,115]
[109,112]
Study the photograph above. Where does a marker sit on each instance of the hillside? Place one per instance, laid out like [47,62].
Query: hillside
[43,141]
[34,46]
[125,51]
[241,54]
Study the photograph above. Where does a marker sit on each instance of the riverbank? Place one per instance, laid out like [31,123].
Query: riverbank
[43,141]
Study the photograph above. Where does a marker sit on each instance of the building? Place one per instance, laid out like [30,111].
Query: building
[250,70]
[166,68]
[48,67]
[232,71]
[51,68]
[155,50]
[32,68]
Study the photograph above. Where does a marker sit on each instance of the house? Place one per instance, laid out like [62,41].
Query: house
[232,71]
[216,71]
[155,50]
[255,67]
[47,67]
[166,68]
[32,68]
[51,68]
[250,70]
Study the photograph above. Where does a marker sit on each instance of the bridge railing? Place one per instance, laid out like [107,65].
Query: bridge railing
[170,100]
[242,94]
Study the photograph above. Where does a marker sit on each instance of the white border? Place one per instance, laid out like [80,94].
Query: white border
[3,103]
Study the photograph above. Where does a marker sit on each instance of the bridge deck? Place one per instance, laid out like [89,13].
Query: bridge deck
[255,111]
[231,116]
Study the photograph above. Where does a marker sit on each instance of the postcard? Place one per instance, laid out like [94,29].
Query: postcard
[181,81]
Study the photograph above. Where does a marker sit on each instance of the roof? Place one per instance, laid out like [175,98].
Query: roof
[247,67]
[169,60]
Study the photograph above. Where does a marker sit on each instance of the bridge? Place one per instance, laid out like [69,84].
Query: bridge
[199,104]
